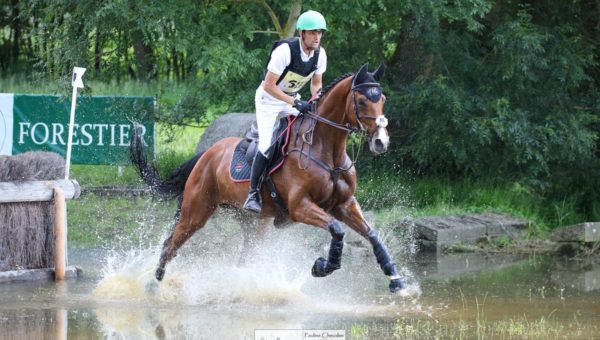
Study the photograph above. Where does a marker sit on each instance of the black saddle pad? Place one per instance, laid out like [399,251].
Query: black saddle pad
[244,152]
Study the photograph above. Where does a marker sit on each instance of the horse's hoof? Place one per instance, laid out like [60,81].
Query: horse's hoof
[160,273]
[322,268]
[319,268]
[396,285]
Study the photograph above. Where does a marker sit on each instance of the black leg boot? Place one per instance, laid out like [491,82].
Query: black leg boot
[259,165]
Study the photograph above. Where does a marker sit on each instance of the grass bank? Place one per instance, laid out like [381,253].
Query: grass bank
[397,195]
[392,196]
[120,222]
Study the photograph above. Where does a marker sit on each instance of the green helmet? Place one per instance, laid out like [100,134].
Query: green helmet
[311,20]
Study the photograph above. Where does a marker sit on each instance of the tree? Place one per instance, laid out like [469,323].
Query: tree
[475,87]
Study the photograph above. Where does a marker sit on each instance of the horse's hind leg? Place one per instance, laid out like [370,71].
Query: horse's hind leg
[187,225]
[160,271]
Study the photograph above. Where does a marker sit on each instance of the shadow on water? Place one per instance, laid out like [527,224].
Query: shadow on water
[206,295]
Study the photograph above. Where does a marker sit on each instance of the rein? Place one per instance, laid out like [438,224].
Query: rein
[346,127]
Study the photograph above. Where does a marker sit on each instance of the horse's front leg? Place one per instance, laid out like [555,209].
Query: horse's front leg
[309,213]
[351,214]
[324,267]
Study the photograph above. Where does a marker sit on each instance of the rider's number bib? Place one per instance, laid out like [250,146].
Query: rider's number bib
[293,82]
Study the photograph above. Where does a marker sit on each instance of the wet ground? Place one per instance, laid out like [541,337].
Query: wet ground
[207,295]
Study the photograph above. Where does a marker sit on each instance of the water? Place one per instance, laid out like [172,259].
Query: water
[206,295]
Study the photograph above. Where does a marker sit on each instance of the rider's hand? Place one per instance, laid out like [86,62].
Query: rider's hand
[301,105]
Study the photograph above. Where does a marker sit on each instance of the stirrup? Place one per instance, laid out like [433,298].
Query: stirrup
[253,202]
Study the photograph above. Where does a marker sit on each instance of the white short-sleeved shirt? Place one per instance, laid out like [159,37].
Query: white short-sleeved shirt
[282,57]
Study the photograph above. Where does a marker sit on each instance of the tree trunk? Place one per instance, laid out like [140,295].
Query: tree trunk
[597,29]
[290,25]
[98,52]
[16,31]
[144,58]
[286,31]
[175,64]
[409,58]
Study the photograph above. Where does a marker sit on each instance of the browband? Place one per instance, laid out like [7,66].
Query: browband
[370,90]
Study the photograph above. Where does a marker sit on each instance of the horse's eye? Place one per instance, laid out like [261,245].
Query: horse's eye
[362,103]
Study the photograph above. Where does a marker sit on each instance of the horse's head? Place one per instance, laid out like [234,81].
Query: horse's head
[365,108]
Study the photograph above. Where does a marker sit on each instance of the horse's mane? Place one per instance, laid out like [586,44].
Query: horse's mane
[333,83]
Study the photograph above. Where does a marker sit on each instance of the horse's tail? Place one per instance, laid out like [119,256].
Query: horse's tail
[165,189]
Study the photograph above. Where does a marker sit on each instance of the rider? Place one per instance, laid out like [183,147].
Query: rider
[292,64]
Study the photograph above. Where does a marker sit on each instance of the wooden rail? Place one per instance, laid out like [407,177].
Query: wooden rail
[36,191]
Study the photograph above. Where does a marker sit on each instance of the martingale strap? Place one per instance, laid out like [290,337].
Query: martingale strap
[334,172]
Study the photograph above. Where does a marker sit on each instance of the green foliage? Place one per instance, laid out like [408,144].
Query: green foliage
[513,110]
[475,88]
[177,145]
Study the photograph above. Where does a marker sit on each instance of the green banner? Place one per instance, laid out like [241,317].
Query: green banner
[101,133]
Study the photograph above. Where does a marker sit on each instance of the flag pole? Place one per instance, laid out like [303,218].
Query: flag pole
[76,83]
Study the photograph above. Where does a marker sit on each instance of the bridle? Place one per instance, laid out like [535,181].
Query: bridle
[380,121]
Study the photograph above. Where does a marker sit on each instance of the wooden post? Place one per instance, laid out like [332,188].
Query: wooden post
[62,324]
[60,234]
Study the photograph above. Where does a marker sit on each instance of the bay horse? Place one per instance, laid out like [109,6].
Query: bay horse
[316,182]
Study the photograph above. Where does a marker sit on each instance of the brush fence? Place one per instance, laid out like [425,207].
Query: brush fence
[46,201]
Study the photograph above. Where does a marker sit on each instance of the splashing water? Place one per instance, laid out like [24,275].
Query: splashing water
[277,270]
[274,288]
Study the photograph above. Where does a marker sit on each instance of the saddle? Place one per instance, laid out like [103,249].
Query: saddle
[244,152]
[243,156]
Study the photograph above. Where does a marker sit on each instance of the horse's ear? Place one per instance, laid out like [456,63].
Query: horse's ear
[379,72]
[362,73]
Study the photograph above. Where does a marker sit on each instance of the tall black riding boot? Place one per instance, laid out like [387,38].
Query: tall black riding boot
[253,202]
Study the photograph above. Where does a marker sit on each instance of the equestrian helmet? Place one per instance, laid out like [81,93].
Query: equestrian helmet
[311,20]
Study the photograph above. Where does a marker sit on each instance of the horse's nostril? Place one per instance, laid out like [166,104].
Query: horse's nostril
[378,142]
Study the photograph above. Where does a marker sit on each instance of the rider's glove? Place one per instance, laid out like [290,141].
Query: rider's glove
[301,106]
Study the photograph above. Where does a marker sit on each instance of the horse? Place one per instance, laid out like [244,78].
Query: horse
[316,182]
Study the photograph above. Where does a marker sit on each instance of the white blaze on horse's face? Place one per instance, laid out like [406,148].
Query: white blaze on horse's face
[380,140]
